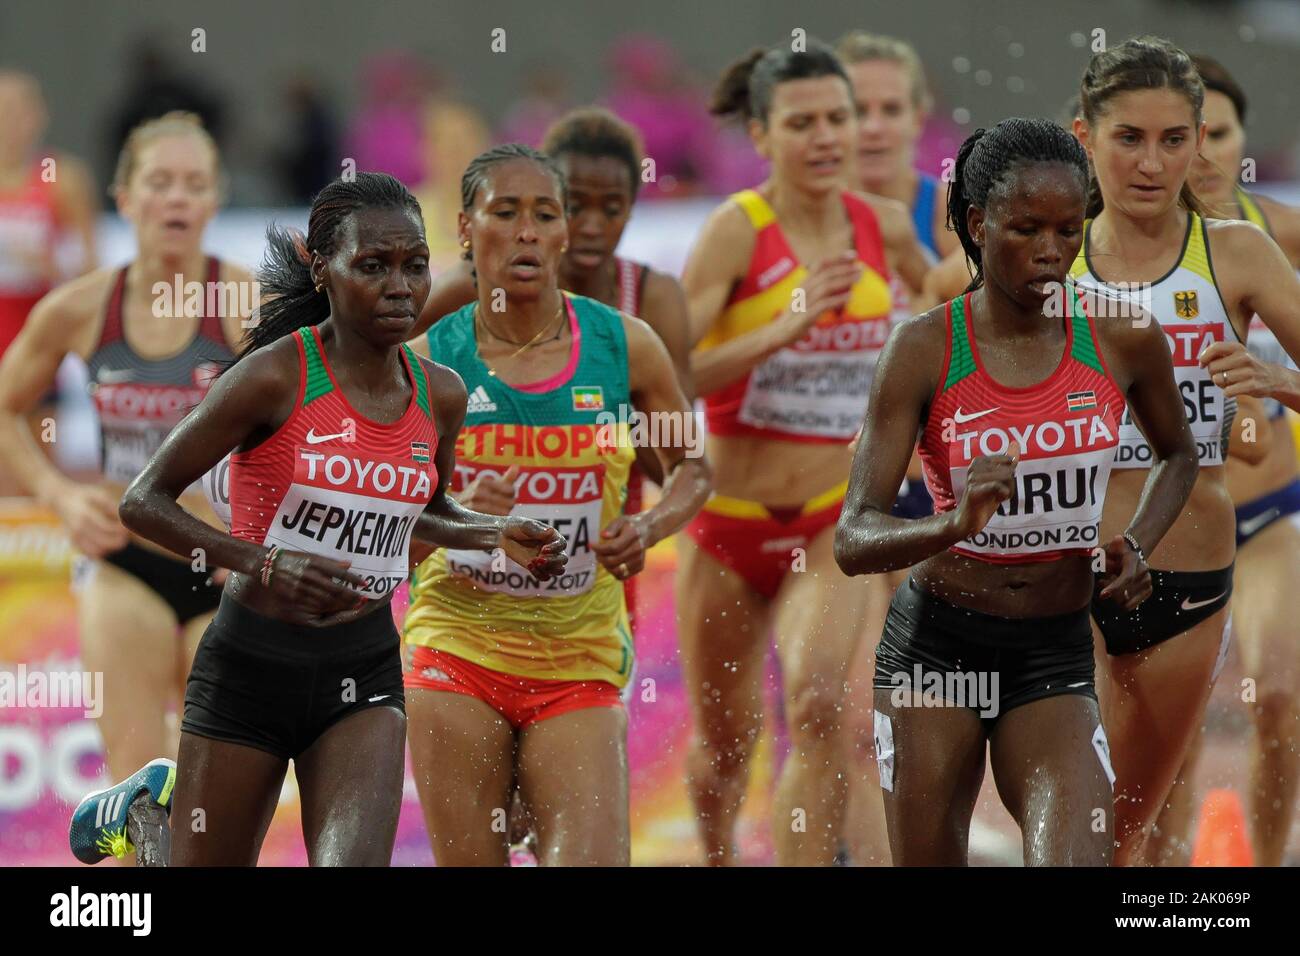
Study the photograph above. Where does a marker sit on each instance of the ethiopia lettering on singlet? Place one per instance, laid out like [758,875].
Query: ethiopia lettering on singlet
[562,484]
[1060,482]
[353,507]
[820,384]
[1208,412]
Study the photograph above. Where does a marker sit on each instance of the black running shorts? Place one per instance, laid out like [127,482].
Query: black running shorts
[1179,601]
[276,686]
[993,664]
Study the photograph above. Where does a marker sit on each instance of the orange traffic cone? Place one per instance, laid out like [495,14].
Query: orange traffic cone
[1221,838]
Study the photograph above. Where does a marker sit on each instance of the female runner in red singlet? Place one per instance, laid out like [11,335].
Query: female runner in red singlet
[1019,393]
[344,443]
[150,358]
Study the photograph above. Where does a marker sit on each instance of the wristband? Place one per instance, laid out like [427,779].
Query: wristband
[1133,543]
[268,565]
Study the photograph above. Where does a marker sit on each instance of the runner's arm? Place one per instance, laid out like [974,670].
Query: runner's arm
[254,397]
[657,392]
[1144,365]
[868,538]
[27,372]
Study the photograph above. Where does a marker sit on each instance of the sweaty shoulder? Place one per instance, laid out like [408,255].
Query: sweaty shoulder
[727,237]
[661,290]
[1124,331]
[918,344]
[1235,240]
[447,392]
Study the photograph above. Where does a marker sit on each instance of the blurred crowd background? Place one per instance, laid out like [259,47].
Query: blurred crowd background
[291,89]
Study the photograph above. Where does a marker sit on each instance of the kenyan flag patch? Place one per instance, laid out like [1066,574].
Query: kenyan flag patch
[420,451]
[588,398]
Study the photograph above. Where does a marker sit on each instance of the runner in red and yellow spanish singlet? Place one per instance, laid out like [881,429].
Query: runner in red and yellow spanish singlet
[789,294]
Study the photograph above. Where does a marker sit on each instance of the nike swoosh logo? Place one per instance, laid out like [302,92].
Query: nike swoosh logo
[1190,605]
[961,419]
[377,697]
[1251,525]
[314,439]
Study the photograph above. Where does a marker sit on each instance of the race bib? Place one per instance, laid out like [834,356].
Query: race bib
[216,488]
[819,386]
[567,499]
[1059,485]
[1208,413]
[353,507]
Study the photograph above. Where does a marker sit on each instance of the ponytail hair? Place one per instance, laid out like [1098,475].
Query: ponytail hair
[289,297]
[1140,63]
[746,88]
[984,166]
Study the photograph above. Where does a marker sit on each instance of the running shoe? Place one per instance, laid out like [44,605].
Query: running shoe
[98,826]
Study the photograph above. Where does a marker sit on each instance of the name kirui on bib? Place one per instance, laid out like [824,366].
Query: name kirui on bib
[354,507]
[1059,484]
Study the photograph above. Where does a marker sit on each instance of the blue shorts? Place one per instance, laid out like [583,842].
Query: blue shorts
[1254,516]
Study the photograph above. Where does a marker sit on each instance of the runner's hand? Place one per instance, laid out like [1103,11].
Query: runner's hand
[622,546]
[316,586]
[491,495]
[1243,372]
[826,289]
[990,480]
[535,546]
[89,514]
[1126,580]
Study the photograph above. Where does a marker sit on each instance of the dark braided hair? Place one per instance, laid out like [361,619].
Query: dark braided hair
[1142,63]
[986,161]
[746,88]
[289,297]
[596,133]
[477,170]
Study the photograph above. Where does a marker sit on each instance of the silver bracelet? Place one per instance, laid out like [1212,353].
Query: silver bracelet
[1133,543]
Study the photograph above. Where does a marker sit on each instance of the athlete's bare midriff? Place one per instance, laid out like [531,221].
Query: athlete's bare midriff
[783,474]
[1021,590]
[1202,539]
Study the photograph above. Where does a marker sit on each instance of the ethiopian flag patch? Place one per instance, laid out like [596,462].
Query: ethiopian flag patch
[588,398]
[420,451]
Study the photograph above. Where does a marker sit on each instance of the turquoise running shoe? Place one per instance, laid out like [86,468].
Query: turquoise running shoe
[98,826]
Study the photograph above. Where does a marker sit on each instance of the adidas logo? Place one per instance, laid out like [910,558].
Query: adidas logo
[108,808]
[480,402]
